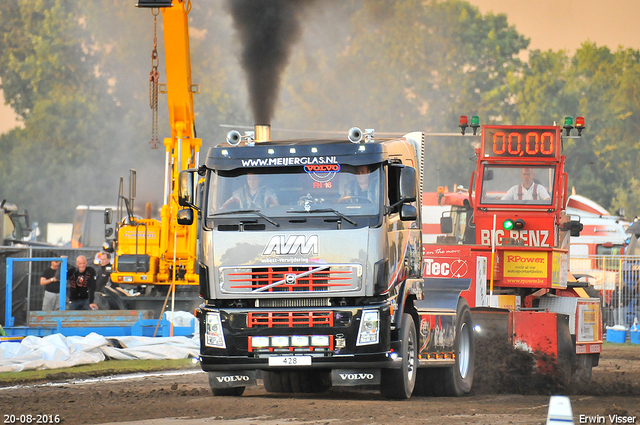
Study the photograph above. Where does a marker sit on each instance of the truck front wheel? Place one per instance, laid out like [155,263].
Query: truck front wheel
[399,383]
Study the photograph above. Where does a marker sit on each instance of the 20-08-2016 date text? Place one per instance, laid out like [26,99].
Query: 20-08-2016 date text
[32,419]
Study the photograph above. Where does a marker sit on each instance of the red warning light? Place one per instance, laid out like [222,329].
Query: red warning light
[464,123]
[580,125]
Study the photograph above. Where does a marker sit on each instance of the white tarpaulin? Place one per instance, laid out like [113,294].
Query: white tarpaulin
[57,351]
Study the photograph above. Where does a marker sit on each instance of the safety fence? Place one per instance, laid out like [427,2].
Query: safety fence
[617,280]
[27,293]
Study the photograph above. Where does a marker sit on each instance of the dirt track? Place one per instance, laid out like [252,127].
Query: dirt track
[615,389]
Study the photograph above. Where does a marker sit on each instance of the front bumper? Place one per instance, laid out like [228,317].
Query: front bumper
[340,324]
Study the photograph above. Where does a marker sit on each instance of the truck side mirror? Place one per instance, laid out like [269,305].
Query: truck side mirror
[576,228]
[185,189]
[408,192]
[108,216]
[408,213]
[185,217]
[446,225]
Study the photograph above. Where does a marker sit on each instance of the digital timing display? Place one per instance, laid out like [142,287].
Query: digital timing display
[541,142]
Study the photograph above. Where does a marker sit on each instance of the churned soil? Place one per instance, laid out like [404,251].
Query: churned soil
[504,393]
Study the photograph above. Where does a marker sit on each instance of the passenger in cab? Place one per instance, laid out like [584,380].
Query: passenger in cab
[528,190]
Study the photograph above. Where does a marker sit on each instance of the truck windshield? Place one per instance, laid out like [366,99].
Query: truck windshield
[517,185]
[349,190]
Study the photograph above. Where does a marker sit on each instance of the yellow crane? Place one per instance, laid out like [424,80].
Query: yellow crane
[148,251]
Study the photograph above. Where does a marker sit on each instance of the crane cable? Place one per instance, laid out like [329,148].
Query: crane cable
[154,77]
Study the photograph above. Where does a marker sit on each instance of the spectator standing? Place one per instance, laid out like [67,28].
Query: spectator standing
[82,285]
[50,279]
[103,274]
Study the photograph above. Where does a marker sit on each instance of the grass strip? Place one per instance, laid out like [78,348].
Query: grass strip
[108,367]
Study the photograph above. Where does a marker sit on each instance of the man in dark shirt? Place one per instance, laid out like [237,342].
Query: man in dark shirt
[50,279]
[82,285]
[103,274]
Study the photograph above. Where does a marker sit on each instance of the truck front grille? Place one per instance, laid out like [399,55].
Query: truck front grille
[290,319]
[291,279]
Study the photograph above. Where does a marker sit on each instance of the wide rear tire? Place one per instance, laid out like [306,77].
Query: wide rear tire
[399,383]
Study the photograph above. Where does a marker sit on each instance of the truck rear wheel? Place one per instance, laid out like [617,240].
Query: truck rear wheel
[452,381]
[399,383]
[458,379]
[233,392]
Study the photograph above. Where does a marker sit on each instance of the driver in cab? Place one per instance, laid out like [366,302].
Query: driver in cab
[363,189]
[253,195]
[528,190]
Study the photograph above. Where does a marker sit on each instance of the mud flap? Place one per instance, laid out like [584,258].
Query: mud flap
[441,295]
[232,379]
[354,377]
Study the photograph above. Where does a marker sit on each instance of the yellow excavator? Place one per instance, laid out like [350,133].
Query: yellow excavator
[153,255]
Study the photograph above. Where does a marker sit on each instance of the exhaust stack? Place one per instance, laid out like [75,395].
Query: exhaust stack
[263,133]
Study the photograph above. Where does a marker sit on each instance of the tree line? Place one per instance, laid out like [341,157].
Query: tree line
[76,74]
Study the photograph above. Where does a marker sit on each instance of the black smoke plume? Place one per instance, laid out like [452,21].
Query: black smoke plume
[267,30]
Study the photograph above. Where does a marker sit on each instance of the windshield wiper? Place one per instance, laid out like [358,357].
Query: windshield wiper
[256,212]
[324,210]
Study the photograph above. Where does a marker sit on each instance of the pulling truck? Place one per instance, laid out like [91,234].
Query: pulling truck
[514,246]
[158,256]
[322,285]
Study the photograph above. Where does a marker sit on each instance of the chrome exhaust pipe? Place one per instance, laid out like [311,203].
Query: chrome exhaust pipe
[263,132]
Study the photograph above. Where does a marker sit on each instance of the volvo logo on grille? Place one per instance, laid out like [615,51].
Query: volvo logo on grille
[289,278]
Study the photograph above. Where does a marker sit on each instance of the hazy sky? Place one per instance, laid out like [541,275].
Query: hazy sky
[566,24]
[550,24]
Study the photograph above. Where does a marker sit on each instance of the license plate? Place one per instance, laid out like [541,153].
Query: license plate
[290,361]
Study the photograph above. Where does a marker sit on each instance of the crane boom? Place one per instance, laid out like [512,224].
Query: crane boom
[149,251]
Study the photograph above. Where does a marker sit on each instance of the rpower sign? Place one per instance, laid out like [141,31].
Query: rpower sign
[525,267]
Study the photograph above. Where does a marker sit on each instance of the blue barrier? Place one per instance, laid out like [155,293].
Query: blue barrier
[9,320]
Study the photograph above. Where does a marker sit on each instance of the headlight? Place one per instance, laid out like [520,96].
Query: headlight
[215,335]
[259,341]
[280,341]
[320,340]
[127,278]
[369,331]
[300,341]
